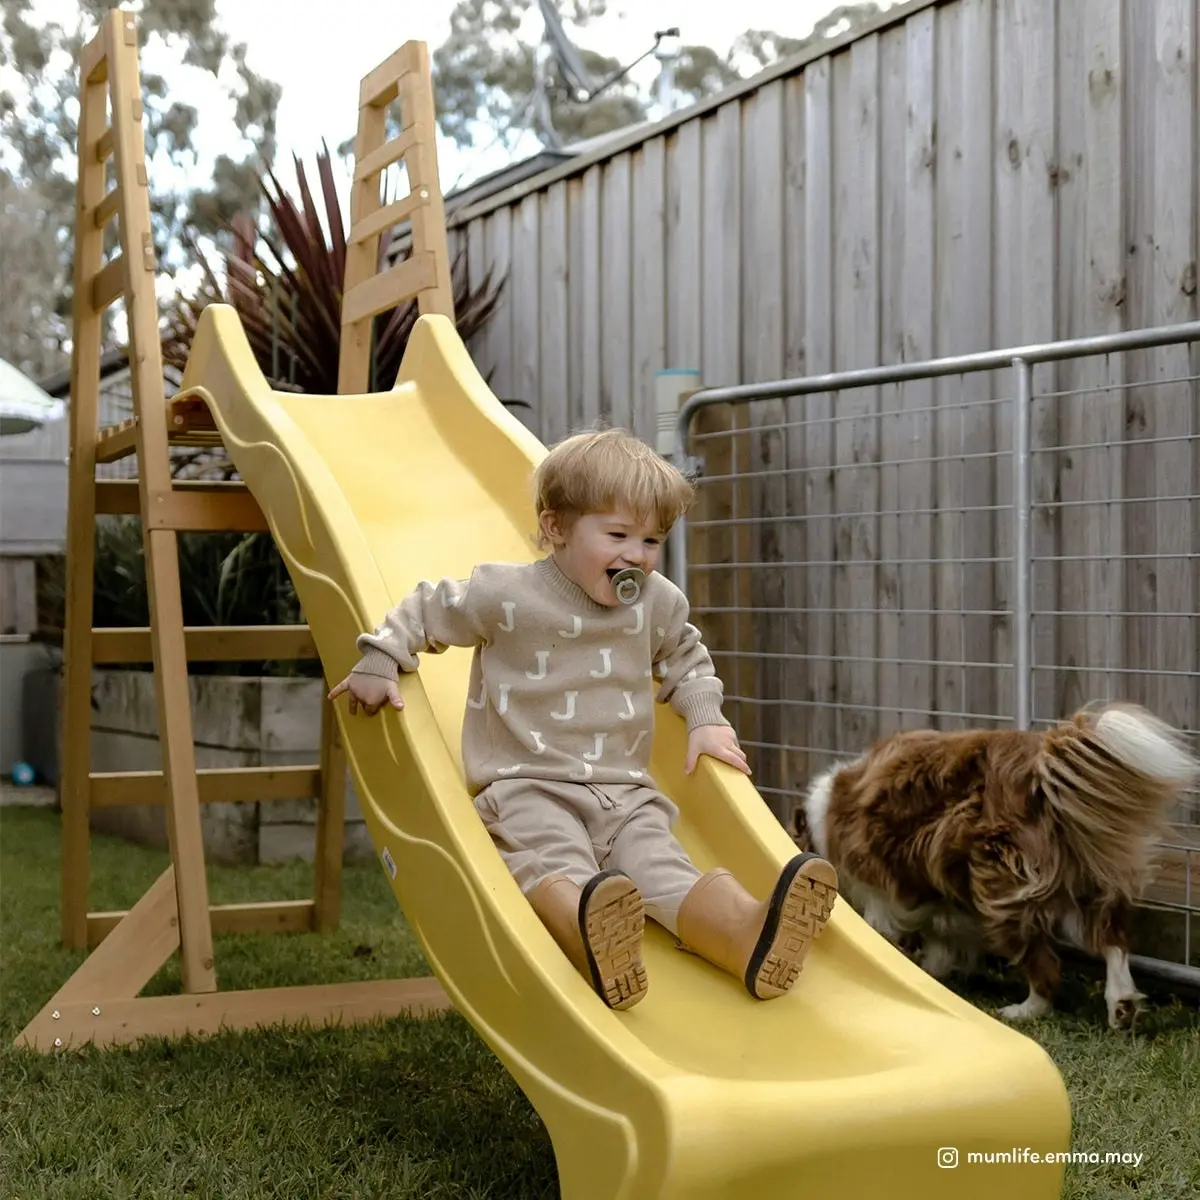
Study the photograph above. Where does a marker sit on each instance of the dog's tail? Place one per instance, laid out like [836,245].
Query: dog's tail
[1111,776]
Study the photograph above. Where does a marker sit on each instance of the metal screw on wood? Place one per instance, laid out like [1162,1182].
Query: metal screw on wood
[58,1041]
[55,1014]
[96,1011]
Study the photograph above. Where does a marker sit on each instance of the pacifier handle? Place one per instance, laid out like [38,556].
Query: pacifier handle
[628,584]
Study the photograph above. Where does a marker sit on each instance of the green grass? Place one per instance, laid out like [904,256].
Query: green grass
[407,1109]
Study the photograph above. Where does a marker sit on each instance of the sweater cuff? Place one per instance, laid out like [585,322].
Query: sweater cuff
[701,708]
[377,662]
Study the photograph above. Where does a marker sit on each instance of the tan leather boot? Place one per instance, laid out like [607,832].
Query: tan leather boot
[763,942]
[599,928]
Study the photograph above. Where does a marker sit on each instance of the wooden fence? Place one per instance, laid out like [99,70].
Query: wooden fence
[968,174]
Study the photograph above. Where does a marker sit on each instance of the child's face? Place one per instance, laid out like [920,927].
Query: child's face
[598,545]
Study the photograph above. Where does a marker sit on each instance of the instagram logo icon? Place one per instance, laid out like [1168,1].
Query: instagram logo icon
[948,1156]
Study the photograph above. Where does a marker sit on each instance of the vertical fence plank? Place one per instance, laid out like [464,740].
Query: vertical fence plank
[616,275]
[721,218]
[797,690]
[1174,293]
[526,325]
[896,116]
[1090,297]
[685,249]
[553,273]
[649,281]
[762,359]
[953,84]
[591,297]
[500,325]
[822,691]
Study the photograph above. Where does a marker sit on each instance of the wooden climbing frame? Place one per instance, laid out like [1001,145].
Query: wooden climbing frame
[100,1003]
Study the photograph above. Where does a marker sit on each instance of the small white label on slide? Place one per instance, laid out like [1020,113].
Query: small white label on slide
[389,863]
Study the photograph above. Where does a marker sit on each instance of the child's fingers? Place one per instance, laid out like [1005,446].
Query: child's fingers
[338,689]
[394,697]
[735,757]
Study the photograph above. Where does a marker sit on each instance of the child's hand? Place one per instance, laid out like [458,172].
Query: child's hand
[717,741]
[371,691]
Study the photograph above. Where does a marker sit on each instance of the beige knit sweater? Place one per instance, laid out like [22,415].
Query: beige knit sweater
[561,687]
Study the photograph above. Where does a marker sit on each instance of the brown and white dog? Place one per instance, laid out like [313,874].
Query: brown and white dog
[1006,842]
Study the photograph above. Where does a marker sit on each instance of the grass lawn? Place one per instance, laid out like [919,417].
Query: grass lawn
[406,1109]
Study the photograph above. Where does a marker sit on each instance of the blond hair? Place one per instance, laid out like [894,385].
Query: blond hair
[606,470]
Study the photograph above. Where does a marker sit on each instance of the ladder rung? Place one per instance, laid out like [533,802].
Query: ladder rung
[381,85]
[92,57]
[104,145]
[119,497]
[389,288]
[387,218]
[106,209]
[195,505]
[108,284]
[385,155]
[225,785]
[271,916]
[116,441]
[203,643]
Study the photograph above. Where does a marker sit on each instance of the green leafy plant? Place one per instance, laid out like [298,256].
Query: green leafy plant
[286,286]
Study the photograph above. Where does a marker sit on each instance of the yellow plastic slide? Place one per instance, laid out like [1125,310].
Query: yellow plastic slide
[868,1080]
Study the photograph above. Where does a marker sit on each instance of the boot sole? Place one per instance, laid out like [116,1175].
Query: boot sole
[800,905]
[612,918]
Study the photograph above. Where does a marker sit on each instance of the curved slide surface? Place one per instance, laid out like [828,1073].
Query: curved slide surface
[856,1084]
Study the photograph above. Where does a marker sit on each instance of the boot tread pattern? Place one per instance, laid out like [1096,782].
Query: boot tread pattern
[613,926]
[806,907]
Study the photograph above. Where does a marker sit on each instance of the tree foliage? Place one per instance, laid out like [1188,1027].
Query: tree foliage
[486,73]
[39,88]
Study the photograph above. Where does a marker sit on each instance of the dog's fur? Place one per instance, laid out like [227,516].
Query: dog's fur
[1006,841]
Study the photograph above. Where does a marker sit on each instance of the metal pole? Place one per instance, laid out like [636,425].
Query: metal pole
[1022,550]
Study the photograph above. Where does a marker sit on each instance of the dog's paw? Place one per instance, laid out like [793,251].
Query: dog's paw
[1123,1011]
[1032,1007]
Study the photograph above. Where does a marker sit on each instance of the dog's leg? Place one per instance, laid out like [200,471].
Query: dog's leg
[1043,970]
[1107,931]
[1123,999]
[1032,1007]
[938,958]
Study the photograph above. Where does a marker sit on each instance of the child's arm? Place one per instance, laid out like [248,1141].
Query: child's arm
[690,683]
[430,618]
[691,686]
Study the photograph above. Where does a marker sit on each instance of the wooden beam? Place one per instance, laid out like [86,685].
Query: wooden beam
[218,643]
[380,86]
[104,145]
[217,785]
[116,442]
[109,283]
[121,497]
[383,157]
[272,916]
[107,208]
[389,288]
[177,510]
[386,218]
[124,1021]
[93,59]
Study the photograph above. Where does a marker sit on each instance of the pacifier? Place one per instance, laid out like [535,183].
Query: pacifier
[628,584]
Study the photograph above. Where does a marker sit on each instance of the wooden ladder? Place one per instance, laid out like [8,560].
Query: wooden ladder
[100,1003]
[425,274]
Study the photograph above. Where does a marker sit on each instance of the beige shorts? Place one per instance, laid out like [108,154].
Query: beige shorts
[543,827]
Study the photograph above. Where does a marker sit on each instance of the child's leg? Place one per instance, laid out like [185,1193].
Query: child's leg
[647,851]
[596,917]
[763,943]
